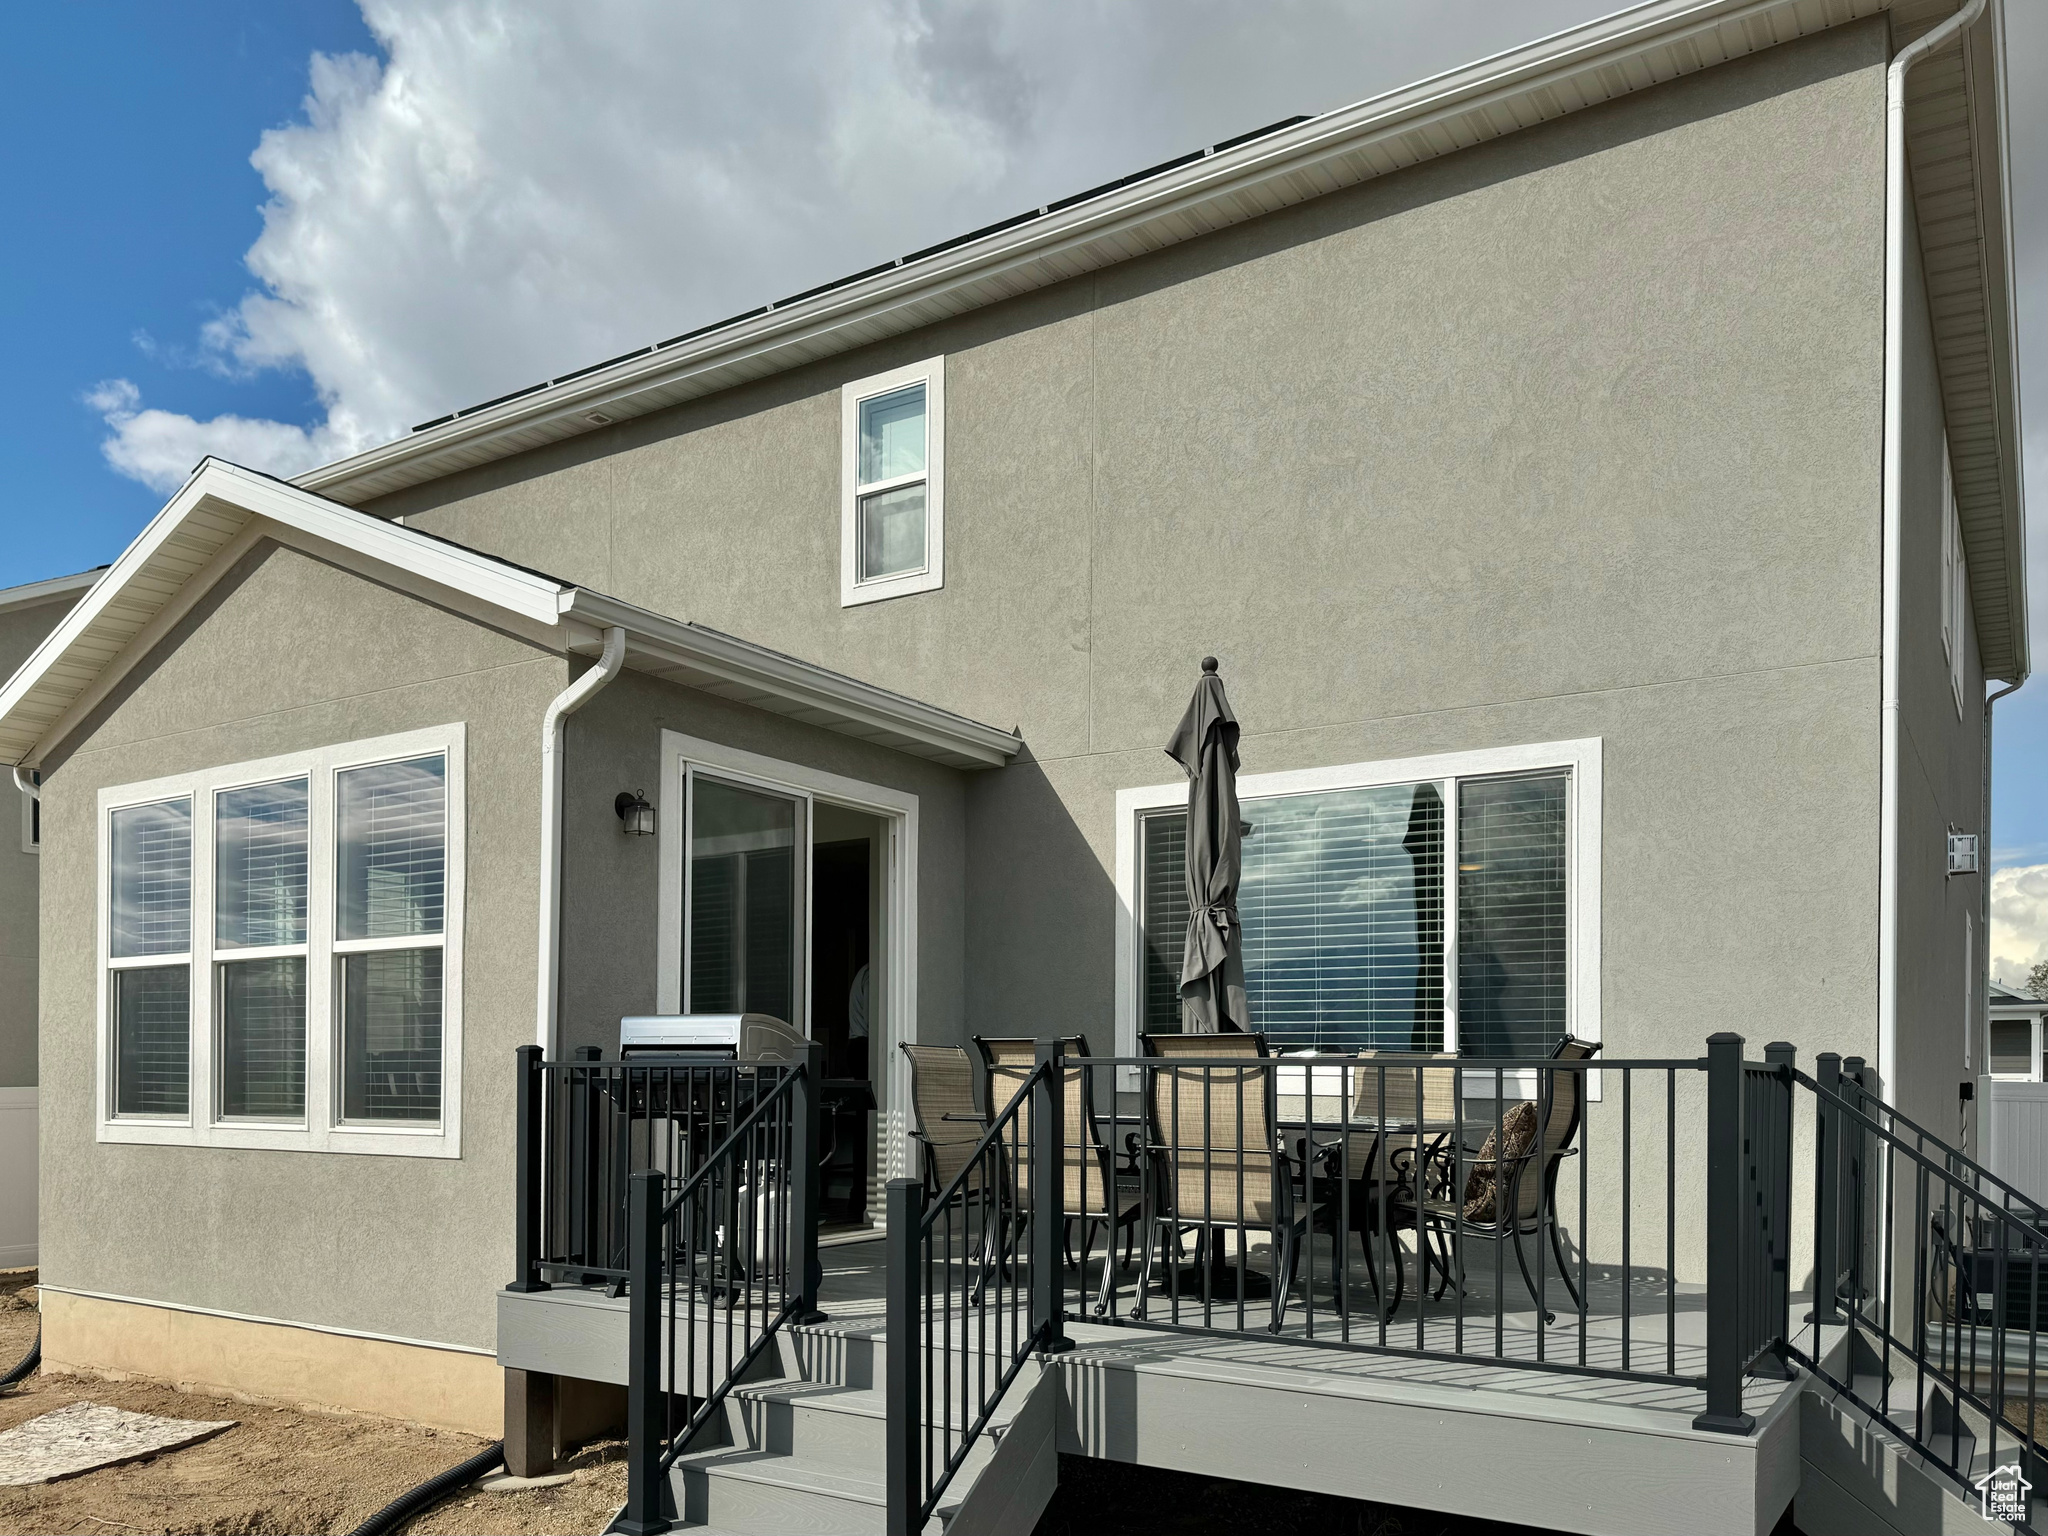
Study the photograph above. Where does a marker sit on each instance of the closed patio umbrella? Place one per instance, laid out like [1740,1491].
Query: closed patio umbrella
[1212,996]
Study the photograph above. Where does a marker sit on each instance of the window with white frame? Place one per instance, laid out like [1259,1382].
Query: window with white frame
[277,943]
[2015,1047]
[1955,584]
[892,495]
[1440,904]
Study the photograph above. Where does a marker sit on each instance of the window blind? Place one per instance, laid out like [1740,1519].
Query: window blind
[153,1040]
[260,865]
[393,849]
[1164,903]
[1343,909]
[152,879]
[1513,915]
[391,1035]
[263,1038]
[714,930]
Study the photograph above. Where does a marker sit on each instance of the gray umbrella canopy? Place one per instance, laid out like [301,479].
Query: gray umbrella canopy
[1212,996]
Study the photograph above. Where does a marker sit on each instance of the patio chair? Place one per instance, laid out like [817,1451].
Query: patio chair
[1215,1156]
[950,1123]
[1397,1129]
[1511,1190]
[1010,1062]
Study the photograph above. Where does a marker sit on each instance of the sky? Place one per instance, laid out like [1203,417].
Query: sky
[284,232]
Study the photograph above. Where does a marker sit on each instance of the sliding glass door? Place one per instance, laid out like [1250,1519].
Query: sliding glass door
[747,861]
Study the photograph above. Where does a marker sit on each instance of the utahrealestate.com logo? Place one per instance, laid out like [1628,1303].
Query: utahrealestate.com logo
[2002,1494]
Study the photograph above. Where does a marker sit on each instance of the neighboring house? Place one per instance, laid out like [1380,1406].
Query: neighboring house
[1607,644]
[2014,1091]
[27,615]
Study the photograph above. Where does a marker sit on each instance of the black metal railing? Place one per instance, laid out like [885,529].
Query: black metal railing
[1369,1204]
[587,1126]
[972,1292]
[1934,1265]
[691,1188]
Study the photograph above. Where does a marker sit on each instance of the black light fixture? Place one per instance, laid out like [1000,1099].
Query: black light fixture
[635,812]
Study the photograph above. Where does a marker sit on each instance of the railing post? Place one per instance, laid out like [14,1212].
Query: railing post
[526,1235]
[646,1403]
[904,1353]
[1778,1201]
[1725,1245]
[1855,1146]
[1827,1195]
[806,1273]
[1048,1195]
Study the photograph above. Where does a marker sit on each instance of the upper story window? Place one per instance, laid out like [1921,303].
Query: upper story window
[1955,584]
[275,941]
[1444,904]
[892,496]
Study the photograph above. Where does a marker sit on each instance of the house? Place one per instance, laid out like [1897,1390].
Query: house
[1603,498]
[2013,1094]
[27,615]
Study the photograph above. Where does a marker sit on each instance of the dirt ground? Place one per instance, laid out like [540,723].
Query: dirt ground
[279,1472]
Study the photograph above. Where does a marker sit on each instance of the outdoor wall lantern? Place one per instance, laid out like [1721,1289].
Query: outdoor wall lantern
[635,812]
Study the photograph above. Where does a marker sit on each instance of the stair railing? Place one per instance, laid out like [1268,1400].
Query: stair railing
[1935,1267]
[715,1268]
[973,1291]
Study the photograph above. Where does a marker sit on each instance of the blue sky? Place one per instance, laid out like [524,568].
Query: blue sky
[133,205]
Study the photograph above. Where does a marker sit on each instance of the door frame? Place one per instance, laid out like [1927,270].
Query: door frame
[898,811]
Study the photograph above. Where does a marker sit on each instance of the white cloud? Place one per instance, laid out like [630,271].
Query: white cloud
[2019,922]
[516,190]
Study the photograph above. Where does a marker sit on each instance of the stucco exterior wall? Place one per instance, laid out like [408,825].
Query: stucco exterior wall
[1574,433]
[289,653]
[1941,769]
[21,631]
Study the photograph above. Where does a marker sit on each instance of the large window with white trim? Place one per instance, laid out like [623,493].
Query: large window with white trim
[275,941]
[1444,910]
[892,499]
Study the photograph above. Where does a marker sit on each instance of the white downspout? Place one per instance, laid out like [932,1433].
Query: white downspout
[566,703]
[1894,429]
[26,785]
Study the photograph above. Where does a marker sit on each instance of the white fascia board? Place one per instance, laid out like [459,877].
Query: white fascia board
[35,592]
[462,570]
[786,677]
[1513,88]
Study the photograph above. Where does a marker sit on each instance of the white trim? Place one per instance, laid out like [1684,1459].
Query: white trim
[1582,758]
[322,1129]
[32,593]
[30,797]
[898,810]
[273,1322]
[932,575]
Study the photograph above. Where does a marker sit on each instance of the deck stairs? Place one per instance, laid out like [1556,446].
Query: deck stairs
[799,1447]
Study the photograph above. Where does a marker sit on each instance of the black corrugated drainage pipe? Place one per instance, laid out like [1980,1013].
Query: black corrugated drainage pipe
[26,1366]
[432,1491]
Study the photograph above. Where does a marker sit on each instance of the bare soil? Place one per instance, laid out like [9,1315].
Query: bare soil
[280,1472]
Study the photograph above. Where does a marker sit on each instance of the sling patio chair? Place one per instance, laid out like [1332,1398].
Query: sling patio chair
[1510,1189]
[1402,1107]
[1010,1061]
[1216,1162]
[949,1128]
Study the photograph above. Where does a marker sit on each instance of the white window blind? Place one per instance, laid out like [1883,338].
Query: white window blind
[1513,913]
[393,819]
[263,1038]
[260,865]
[151,920]
[1344,907]
[152,879]
[391,826]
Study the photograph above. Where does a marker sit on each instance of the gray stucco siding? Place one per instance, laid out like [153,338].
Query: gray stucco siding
[290,654]
[610,890]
